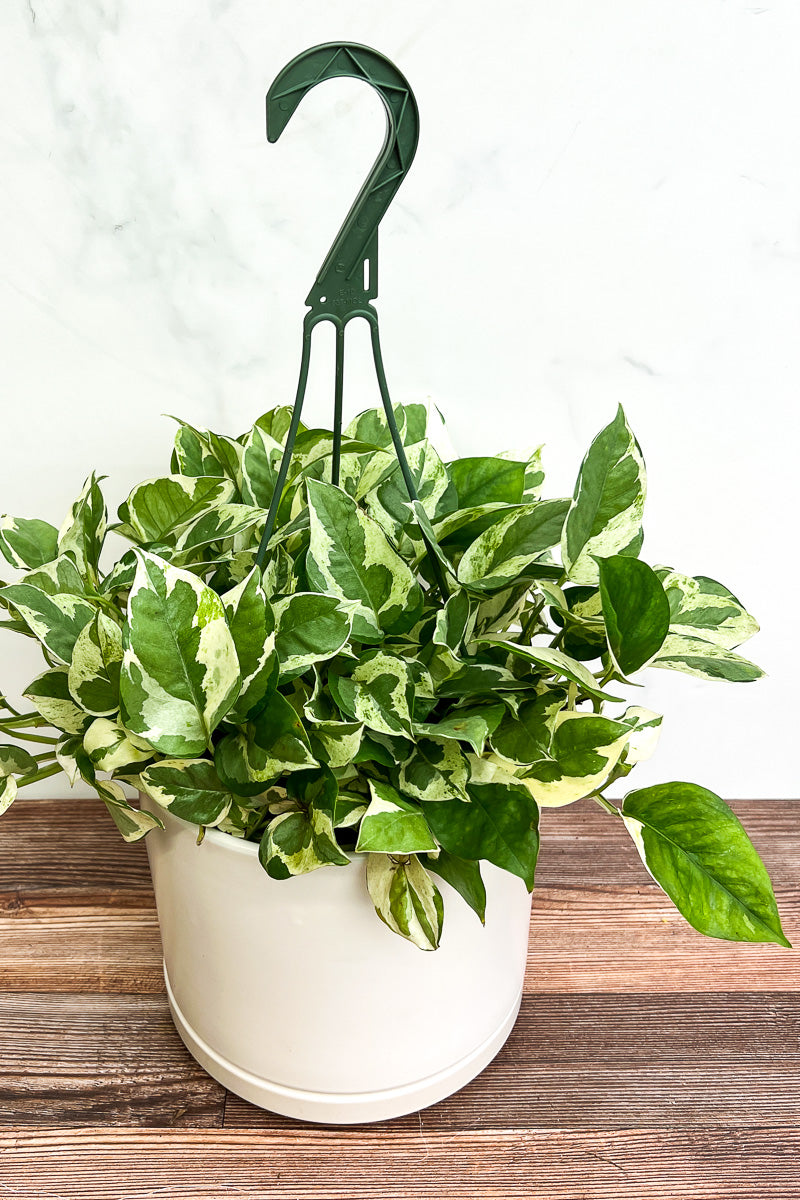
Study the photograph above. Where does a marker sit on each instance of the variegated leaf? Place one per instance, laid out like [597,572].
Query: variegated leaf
[180,673]
[110,746]
[645,731]
[526,736]
[510,548]
[300,841]
[392,825]
[94,671]
[406,898]
[379,693]
[392,497]
[350,557]
[556,662]
[50,602]
[437,770]
[470,725]
[27,543]
[694,656]
[157,508]
[584,751]
[336,742]
[223,521]
[455,622]
[252,625]
[272,744]
[84,530]
[8,792]
[189,789]
[50,695]
[131,822]
[701,607]
[15,761]
[311,628]
[261,459]
[605,516]
[68,749]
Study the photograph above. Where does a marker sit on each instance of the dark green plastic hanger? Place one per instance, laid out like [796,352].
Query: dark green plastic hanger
[347,281]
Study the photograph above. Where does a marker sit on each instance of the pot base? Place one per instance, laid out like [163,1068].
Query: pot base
[342,1108]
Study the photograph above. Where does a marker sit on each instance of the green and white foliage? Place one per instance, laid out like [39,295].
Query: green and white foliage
[333,703]
[180,673]
[605,517]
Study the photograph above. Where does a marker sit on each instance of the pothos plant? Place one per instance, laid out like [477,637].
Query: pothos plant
[352,698]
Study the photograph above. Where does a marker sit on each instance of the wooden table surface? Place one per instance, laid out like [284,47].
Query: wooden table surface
[647,1061]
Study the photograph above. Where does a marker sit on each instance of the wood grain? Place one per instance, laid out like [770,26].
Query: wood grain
[365,1164]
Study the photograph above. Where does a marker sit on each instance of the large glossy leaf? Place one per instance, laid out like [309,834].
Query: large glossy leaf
[487,481]
[635,611]
[500,822]
[311,628]
[702,608]
[462,874]
[379,693]
[350,557]
[157,508]
[605,516]
[180,672]
[697,850]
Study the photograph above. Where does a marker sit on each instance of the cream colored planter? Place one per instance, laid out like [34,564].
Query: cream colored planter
[295,996]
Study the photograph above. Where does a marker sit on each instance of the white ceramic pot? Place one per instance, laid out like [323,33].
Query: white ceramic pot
[295,995]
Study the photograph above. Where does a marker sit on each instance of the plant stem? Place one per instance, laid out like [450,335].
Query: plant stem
[601,800]
[36,776]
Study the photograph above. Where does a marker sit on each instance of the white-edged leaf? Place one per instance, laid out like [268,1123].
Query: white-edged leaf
[391,825]
[406,898]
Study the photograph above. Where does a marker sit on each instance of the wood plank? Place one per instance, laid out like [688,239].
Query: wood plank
[363,1164]
[81,1059]
[615,1062]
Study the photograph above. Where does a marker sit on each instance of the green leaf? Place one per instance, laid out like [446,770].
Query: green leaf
[470,725]
[301,841]
[698,852]
[499,823]
[694,656]
[430,481]
[584,750]
[437,770]
[189,788]
[84,529]
[511,547]
[272,744]
[27,543]
[635,611]
[311,628]
[157,508]
[379,693]
[180,673]
[50,695]
[223,521]
[391,825]
[455,622]
[50,602]
[260,463]
[336,742]
[110,746]
[406,899]
[605,517]
[251,622]
[15,761]
[526,736]
[487,481]
[94,671]
[350,557]
[702,608]
[556,662]
[463,875]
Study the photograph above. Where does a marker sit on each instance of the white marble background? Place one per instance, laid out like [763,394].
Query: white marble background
[605,207]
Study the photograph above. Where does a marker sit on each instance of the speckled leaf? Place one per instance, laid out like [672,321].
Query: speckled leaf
[84,530]
[701,607]
[336,742]
[50,603]
[180,673]
[131,822]
[392,825]
[511,546]
[406,898]
[455,622]
[27,543]
[274,743]
[189,789]
[301,841]
[157,508]
[50,695]
[584,750]
[437,770]
[252,625]
[697,851]
[310,628]
[110,746]
[349,557]
[15,761]
[694,656]
[379,693]
[94,671]
[8,792]
[605,516]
